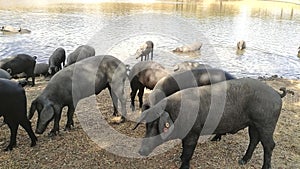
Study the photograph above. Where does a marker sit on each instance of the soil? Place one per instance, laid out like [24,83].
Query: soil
[78,149]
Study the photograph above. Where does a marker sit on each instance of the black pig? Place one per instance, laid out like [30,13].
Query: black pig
[82,52]
[13,107]
[75,82]
[20,63]
[56,59]
[224,107]
[144,74]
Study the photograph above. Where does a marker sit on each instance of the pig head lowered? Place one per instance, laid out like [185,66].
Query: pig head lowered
[82,79]
[224,107]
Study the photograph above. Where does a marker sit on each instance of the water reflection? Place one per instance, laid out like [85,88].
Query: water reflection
[271,30]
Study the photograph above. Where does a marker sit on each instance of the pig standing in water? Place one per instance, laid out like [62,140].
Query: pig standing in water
[241,45]
[224,107]
[10,29]
[189,48]
[145,50]
[13,107]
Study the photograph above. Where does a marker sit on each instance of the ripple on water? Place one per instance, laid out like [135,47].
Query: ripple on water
[271,43]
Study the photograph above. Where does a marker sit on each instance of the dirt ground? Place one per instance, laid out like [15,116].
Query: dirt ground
[77,149]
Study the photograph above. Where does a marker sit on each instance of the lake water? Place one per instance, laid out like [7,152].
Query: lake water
[271,31]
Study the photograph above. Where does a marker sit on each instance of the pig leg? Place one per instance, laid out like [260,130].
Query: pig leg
[134,90]
[33,79]
[147,57]
[13,134]
[140,95]
[117,87]
[189,144]
[141,56]
[70,121]
[115,100]
[27,126]
[31,74]
[217,137]
[254,139]
[268,146]
[152,54]
[57,118]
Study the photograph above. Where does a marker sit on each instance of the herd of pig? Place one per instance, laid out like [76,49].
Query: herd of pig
[194,99]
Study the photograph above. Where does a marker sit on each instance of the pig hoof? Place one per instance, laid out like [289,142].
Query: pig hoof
[180,158]
[33,144]
[242,162]
[132,108]
[184,167]
[122,119]
[52,134]
[67,128]
[9,147]
[216,138]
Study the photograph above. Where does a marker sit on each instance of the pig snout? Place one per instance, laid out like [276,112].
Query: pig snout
[149,144]
[144,151]
[37,131]
[40,130]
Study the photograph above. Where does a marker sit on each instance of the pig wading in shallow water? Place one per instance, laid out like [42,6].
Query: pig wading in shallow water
[189,48]
[10,29]
[144,74]
[71,84]
[224,107]
[13,107]
[241,45]
[145,50]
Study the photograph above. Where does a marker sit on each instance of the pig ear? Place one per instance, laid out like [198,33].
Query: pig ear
[146,106]
[9,70]
[142,117]
[165,125]
[32,110]
[149,115]
[47,114]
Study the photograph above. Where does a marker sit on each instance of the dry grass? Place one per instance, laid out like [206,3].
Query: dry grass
[75,149]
